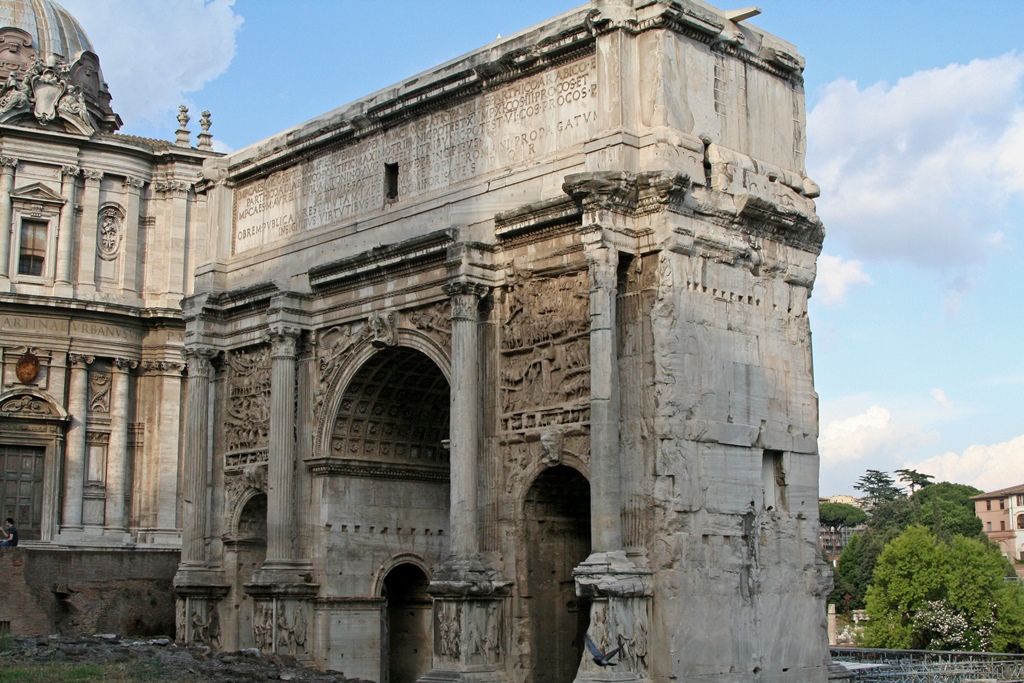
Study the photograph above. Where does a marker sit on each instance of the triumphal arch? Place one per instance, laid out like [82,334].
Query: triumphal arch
[515,351]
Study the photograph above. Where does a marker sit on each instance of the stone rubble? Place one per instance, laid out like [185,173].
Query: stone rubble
[162,655]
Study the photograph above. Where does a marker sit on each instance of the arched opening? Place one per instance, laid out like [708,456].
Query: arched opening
[250,548]
[557,517]
[395,410]
[407,637]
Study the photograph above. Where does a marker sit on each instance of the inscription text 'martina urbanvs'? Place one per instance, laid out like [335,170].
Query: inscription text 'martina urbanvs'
[548,111]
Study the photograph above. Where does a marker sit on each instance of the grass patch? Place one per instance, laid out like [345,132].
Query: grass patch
[88,673]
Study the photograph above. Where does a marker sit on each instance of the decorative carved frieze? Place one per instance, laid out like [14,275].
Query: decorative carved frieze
[247,423]
[545,343]
[99,392]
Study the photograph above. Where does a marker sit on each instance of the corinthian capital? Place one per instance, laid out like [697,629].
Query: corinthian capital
[283,340]
[466,296]
[8,163]
[125,364]
[199,360]
[92,175]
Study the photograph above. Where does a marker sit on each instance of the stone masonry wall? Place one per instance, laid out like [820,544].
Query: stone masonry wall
[84,592]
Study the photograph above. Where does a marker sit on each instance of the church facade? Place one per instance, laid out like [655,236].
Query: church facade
[98,241]
[513,355]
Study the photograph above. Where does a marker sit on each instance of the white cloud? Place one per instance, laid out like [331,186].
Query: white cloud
[986,467]
[869,434]
[939,396]
[154,53]
[919,171]
[836,277]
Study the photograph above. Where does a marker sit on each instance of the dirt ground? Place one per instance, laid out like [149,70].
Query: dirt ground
[151,659]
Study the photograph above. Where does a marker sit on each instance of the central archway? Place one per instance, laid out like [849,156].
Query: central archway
[557,516]
[408,637]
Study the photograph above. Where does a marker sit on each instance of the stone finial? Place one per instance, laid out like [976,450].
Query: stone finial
[205,140]
[183,134]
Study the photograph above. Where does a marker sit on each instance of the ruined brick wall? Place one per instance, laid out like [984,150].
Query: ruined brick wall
[84,592]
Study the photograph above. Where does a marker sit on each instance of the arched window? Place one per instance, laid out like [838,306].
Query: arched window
[1020,521]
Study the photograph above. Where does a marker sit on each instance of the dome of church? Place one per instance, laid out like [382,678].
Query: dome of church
[49,70]
[53,29]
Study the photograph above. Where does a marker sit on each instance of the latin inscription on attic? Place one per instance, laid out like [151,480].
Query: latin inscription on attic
[526,119]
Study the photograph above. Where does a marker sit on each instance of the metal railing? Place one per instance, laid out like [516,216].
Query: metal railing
[930,666]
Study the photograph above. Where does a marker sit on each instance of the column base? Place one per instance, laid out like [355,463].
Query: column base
[283,578]
[200,580]
[441,676]
[467,576]
[620,616]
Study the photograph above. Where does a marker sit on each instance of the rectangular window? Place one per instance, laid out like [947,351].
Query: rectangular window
[1002,503]
[988,504]
[989,526]
[1020,499]
[773,481]
[391,181]
[32,250]
[1002,525]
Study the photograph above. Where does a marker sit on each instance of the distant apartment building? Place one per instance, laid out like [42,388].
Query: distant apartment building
[834,539]
[1002,517]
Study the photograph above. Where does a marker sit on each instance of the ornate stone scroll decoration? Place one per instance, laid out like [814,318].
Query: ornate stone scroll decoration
[45,90]
[26,406]
[383,328]
[99,392]
[110,233]
[247,425]
[162,366]
[435,321]
[545,352]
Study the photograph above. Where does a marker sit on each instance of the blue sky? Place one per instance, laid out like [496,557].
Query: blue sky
[916,136]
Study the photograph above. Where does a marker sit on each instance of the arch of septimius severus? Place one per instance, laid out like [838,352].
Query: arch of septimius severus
[509,355]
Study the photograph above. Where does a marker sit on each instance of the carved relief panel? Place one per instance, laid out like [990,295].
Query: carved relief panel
[545,352]
[247,413]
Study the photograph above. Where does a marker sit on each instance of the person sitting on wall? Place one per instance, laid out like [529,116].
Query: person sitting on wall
[10,531]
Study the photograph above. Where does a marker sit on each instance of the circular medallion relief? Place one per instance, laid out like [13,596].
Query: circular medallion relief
[27,368]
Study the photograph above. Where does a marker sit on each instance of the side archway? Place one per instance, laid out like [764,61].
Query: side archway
[556,514]
[407,629]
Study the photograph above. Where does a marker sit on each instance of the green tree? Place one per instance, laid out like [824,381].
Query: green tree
[937,594]
[877,486]
[947,509]
[841,515]
[913,478]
